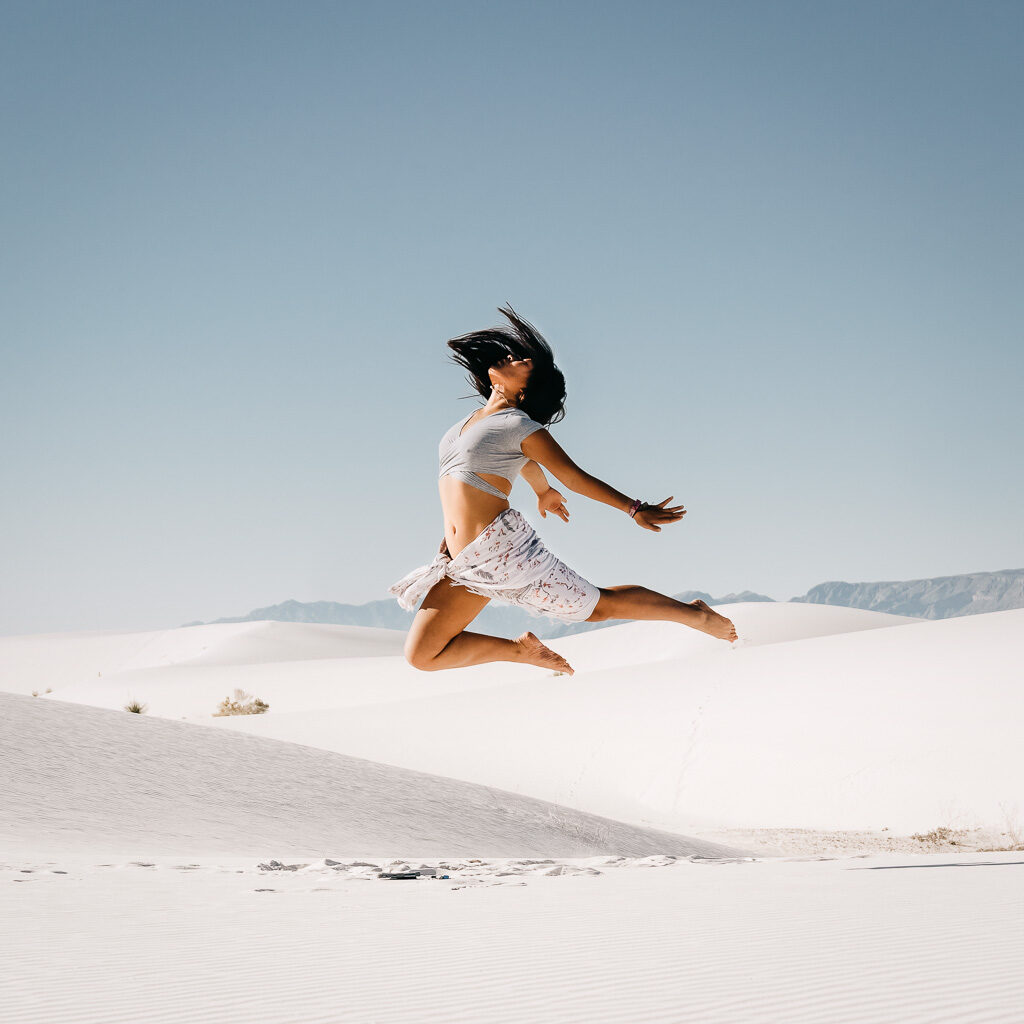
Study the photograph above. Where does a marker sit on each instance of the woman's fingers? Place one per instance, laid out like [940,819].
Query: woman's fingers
[661,506]
[660,512]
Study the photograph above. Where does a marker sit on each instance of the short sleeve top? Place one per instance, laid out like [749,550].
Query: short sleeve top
[490,445]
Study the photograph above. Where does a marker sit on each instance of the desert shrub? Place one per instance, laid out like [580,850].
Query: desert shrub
[940,836]
[135,707]
[242,704]
[1014,831]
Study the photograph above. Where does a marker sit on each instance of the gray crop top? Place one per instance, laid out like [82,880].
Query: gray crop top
[490,445]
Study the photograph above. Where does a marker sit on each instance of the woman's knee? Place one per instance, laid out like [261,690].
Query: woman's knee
[419,656]
[604,607]
[421,662]
[613,602]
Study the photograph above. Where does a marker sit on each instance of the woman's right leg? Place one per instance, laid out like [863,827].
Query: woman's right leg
[634,602]
[437,638]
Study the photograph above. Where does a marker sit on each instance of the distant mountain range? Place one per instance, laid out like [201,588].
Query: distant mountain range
[938,598]
[496,619]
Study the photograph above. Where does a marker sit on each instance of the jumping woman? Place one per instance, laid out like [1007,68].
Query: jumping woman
[489,549]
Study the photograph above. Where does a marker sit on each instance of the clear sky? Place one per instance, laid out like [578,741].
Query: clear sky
[775,246]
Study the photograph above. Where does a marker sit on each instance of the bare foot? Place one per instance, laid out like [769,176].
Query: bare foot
[533,652]
[714,624]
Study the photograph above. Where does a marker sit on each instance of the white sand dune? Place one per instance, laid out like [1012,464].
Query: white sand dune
[158,870]
[57,660]
[86,780]
[823,717]
[905,728]
[187,672]
[759,623]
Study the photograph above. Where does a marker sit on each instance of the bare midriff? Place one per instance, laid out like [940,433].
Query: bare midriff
[467,509]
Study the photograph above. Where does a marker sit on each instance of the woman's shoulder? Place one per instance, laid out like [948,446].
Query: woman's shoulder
[522,426]
[524,417]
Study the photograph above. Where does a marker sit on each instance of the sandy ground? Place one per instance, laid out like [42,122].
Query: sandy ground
[798,828]
[882,938]
[783,842]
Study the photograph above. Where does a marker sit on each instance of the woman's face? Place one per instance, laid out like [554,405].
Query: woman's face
[512,374]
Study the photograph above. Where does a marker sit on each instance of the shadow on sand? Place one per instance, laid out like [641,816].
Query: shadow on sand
[971,864]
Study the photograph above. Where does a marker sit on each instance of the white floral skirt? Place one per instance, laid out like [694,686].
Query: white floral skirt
[507,561]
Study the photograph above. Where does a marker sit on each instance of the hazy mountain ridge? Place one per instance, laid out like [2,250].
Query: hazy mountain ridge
[496,619]
[384,614]
[701,595]
[942,597]
[938,598]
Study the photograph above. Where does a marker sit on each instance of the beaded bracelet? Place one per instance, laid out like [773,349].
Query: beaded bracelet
[634,508]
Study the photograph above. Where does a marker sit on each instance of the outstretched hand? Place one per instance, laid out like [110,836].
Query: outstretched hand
[654,517]
[552,501]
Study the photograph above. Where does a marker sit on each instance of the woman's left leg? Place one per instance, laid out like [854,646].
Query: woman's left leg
[634,602]
[438,638]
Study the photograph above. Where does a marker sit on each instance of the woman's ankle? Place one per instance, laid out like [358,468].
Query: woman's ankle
[701,616]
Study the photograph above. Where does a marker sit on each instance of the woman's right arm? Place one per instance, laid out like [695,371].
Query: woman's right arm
[543,448]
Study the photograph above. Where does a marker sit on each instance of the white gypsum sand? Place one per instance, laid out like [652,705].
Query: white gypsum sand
[83,780]
[156,869]
[844,941]
[823,718]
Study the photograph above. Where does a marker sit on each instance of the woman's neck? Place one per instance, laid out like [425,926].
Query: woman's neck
[496,402]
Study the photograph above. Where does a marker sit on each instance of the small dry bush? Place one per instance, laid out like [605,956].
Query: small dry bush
[242,704]
[941,836]
[1014,831]
[135,707]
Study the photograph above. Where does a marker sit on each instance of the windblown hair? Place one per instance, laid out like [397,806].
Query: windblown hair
[480,350]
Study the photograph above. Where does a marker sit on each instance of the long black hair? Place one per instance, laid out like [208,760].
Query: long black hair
[478,351]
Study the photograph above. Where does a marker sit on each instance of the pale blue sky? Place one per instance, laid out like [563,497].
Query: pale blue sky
[775,246]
